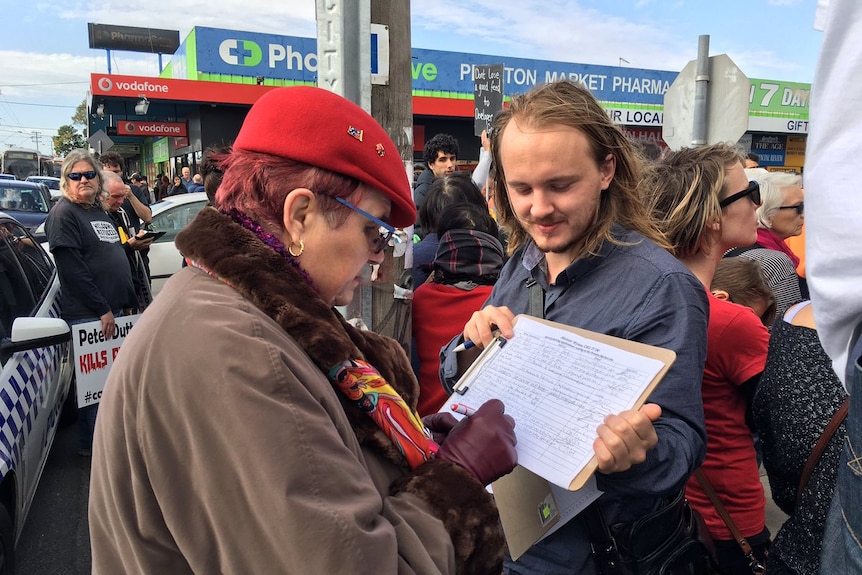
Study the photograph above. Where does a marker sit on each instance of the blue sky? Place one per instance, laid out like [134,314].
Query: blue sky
[46,61]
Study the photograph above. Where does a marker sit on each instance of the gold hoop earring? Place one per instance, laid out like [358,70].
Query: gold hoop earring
[301,249]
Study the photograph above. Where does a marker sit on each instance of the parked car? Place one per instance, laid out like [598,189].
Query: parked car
[36,377]
[27,202]
[53,184]
[7,177]
[171,215]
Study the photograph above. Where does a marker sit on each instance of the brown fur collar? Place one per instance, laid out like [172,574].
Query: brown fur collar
[262,276]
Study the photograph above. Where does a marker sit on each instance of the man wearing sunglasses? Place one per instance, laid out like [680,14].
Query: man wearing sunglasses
[779,217]
[93,269]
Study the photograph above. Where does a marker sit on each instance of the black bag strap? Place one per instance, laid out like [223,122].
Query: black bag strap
[753,563]
[824,439]
[537,298]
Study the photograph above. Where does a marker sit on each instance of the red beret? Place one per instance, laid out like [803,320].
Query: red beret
[320,128]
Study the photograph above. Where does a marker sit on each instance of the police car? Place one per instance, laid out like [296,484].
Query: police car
[37,372]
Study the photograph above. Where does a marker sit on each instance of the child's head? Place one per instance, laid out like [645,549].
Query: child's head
[740,280]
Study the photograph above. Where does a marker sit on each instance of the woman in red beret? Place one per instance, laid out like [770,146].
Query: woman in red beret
[245,426]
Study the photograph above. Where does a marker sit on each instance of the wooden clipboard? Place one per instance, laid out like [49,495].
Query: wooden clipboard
[528,506]
[664,356]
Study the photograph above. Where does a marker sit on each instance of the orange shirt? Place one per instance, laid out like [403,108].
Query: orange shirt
[797,245]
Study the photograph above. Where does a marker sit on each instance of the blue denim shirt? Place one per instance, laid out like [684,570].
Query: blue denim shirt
[637,291]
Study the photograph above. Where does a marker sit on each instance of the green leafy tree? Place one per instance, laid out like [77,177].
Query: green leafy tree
[67,139]
[80,117]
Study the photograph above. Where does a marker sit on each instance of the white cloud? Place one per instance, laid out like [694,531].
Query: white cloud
[49,76]
[557,30]
[253,15]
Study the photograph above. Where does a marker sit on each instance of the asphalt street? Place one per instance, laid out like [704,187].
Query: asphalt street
[56,539]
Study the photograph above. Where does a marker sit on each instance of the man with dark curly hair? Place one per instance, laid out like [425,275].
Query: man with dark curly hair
[440,157]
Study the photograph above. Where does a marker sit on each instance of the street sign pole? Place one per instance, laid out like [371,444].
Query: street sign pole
[707,103]
[701,93]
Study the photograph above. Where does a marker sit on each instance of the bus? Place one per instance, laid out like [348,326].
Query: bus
[22,162]
[51,166]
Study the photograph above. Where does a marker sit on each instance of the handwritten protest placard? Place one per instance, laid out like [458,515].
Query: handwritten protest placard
[487,95]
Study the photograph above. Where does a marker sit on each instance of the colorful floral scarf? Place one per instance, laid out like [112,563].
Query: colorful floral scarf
[361,383]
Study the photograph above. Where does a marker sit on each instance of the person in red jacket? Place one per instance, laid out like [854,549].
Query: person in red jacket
[467,264]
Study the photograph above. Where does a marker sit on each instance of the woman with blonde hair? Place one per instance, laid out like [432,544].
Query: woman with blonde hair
[705,204]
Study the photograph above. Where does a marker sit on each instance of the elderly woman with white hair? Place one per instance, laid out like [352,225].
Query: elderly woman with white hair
[779,217]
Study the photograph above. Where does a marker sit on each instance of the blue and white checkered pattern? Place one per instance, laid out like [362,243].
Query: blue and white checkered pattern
[25,378]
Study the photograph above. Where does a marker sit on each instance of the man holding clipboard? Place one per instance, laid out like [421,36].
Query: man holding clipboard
[567,194]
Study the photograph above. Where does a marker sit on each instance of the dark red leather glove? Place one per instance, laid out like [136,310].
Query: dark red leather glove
[484,443]
[439,424]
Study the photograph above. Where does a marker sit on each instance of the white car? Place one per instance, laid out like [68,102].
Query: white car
[171,215]
[36,374]
[52,183]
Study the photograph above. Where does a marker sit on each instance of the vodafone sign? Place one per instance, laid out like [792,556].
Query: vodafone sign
[129,128]
[176,90]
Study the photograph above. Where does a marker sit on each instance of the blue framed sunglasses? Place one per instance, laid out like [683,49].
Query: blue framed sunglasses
[385,230]
[76,176]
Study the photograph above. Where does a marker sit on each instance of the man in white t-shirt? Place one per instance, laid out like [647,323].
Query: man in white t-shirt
[834,254]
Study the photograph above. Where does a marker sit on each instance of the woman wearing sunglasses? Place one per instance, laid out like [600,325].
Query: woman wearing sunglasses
[780,216]
[246,427]
[705,204]
[91,263]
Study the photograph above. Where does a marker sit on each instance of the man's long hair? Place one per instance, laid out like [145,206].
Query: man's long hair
[564,103]
[72,158]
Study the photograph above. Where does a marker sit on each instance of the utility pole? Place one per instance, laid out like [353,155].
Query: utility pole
[344,55]
[701,93]
[344,67]
[392,107]
[36,137]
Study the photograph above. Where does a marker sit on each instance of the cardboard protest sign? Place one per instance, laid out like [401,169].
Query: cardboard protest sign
[94,356]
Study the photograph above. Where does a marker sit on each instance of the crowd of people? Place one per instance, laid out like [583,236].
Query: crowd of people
[96,234]
[285,439]
[729,223]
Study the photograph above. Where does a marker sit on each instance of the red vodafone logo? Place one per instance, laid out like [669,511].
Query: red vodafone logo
[176,129]
[105,84]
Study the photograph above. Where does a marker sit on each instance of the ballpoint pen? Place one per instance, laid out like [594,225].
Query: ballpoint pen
[464,346]
[470,345]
